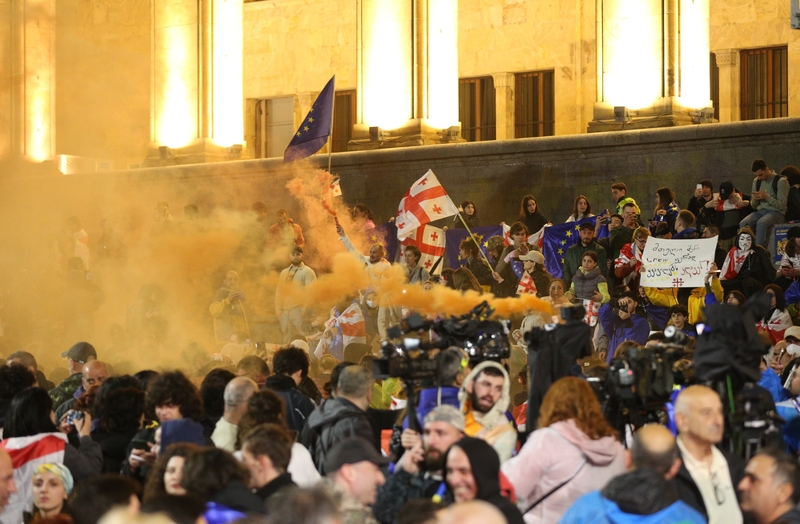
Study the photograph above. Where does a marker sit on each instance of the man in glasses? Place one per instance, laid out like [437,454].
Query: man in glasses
[708,476]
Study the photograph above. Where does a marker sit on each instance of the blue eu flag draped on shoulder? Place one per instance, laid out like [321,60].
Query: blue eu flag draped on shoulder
[316,127]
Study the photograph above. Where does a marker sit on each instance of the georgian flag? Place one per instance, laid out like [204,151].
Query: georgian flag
[592,308]
[526,285]
[336,189]
[431,243]
[536,239]
[776,326]
[353,326]
[425,202]
[26,454]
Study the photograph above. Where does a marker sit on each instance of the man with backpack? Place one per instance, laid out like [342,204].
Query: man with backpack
[769,198]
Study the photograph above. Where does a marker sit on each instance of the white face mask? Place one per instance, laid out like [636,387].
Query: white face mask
[793,350]
[372,303]
[745,242]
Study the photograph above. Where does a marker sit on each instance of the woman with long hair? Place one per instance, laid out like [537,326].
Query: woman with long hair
[31,418]
[574,449]
[530,215]
[557,298]
[581,209]
[52,484]
[464,280]
[165,477]
[666,210]
[469,213]
[777,319]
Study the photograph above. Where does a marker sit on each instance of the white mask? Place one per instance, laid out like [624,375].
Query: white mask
[371,303]
[745,242]
[793,350]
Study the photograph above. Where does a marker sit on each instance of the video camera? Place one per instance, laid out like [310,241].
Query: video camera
[638,385]
[412,360]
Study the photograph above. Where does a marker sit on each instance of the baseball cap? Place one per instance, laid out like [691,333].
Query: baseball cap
[297,249]
[725,190]
[587,225]
[80,352]
[495,242]
[793,332]
[447,413]
[353,450]
[533,256]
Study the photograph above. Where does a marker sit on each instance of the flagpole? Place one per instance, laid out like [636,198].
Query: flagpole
[333,110]
[474,239]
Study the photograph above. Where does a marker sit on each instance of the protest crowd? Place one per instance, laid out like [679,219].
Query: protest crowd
[291,411]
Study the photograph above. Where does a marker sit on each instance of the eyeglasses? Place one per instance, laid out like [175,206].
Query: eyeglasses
[719,492]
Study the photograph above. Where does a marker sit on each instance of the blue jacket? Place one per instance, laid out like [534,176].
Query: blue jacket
[788,411]
[772,383]
[792,293]
[592,508]
[618,331]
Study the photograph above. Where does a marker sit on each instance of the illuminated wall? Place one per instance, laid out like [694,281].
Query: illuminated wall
[197,72]
[442,110]
[386,81]
[695,79]
[632,52]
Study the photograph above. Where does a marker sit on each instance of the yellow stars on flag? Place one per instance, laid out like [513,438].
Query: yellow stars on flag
[305,128]
[560,251]
[562,260]
[577,228]
[298,133]
[563,242]
[310,120]
[374,238]
[569,233]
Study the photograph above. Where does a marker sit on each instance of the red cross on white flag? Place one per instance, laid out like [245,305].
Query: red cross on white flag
[526,285]
[430,241]
[425,202]
[591,307]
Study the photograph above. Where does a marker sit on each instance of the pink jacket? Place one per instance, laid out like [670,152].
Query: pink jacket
[552,455]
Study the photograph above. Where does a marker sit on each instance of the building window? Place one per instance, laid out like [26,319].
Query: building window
[344,118]
[714,95]
[534,104]
[476,108]
[274,126]
[764,83]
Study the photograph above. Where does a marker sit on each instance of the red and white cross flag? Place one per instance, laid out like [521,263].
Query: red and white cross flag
[26,454]
[592,309]
[430,241]
[425,202]
[526,285]
[336,188]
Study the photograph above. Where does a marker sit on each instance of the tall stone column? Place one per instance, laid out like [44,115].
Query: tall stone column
[27,81]
[653,60]
[407,74]
[504,105]
[729,85]
[197,111]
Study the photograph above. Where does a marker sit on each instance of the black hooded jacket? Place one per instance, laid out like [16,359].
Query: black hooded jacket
[298,406]
[640,492]
[485,466]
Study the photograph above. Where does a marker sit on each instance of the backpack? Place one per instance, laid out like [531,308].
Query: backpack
[775,181]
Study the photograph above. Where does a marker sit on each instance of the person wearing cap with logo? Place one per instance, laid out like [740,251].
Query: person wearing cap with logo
[289,307]
[574,255]
[353,478]
[420,471]
[77,356]
[533,265]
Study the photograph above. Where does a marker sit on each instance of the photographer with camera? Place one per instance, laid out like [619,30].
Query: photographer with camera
[484,400]
[621,322]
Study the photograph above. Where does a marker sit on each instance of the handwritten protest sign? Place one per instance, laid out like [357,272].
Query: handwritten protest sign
[677,263]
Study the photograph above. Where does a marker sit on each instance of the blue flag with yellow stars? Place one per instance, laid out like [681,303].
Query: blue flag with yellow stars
[313,133]
[557,239]
[453,238]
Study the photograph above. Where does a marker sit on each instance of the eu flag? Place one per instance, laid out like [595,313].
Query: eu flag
[557,239]
[454,237]
[313,133]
